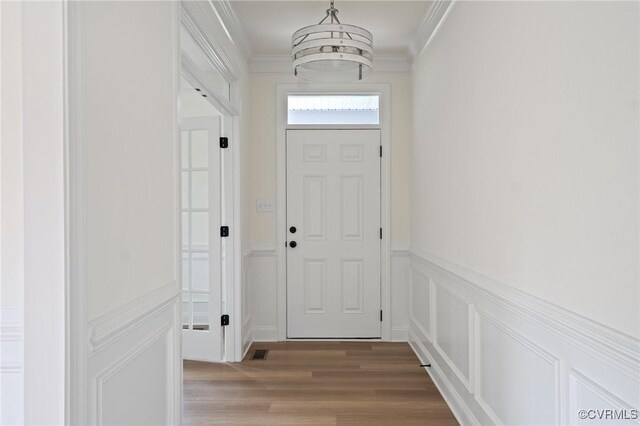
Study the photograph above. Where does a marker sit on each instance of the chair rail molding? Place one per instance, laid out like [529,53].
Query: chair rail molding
[487,341]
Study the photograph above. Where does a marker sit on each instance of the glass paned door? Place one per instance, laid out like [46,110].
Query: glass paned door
[201,245]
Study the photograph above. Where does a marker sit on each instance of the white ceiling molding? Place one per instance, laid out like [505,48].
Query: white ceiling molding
[232,24]
[281,64]
[209,25]
[436,15]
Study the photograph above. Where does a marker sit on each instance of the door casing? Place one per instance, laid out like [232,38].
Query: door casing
[384,91]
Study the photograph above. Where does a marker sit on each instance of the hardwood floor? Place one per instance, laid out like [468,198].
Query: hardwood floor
[316,383]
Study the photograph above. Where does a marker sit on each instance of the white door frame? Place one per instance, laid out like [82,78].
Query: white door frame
[384,91]
[230,191]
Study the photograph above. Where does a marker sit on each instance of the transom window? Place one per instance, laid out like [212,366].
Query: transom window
[333,109]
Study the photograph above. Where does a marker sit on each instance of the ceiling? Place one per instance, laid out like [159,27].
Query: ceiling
[269,24]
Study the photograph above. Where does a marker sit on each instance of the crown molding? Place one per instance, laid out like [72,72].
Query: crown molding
[433,20]
[281,64]
[233,26]
[215,28]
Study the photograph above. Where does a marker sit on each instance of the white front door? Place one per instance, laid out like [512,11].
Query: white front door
[201,241]
[333,233]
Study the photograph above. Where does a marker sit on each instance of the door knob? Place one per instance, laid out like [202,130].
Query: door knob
[293,244]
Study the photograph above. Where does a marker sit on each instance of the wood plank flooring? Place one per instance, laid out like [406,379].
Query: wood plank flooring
[315,383]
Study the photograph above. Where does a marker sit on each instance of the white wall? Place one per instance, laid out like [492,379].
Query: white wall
[260,228]
[44,212]
[525,210]
[12,217]
[525,153]
[124,213]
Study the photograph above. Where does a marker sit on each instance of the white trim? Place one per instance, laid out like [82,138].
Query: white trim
[266,334]
[567,342]
[103,377]
[281,64]
[593,337]
[461,412]
[206,25]
[197,78]
[219,33]
[466,381]
[430,25]
[117,322]
[524,341]
[233,26]
[384,90]
[75,198]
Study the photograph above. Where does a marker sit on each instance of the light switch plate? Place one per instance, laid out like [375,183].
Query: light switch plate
[264,206]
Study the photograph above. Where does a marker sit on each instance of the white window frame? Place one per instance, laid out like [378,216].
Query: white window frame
[377,125]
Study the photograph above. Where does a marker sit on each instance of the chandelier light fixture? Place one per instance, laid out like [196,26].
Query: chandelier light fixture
[331,51]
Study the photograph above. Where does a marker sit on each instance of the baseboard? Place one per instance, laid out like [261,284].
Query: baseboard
[451,397]
[265,334]
[247,338]
[487,343]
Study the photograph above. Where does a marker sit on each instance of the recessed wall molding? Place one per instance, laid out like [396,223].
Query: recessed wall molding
[11,366]
[110,326]
[281,64]
[464,315]
[519,342]
[260,319]
[433,20]
[592,336]
[139,350]
[163,338]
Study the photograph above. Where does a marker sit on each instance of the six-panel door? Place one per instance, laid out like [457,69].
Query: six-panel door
[333,257]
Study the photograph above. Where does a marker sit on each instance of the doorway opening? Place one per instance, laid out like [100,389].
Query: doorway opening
[201,207]
[333,209]
[209,212]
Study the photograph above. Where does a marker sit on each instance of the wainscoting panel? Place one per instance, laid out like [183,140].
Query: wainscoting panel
[260,266]
[11,367]
[400,278]
[261,274]
[530,368]
[247,332]
[452,332]
[131,369]
[501,356]
[586,394]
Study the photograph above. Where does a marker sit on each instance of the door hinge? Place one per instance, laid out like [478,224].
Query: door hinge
[380,233]
[224,320]
[380,151]
[380,315]
[224,142]
[224,231]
